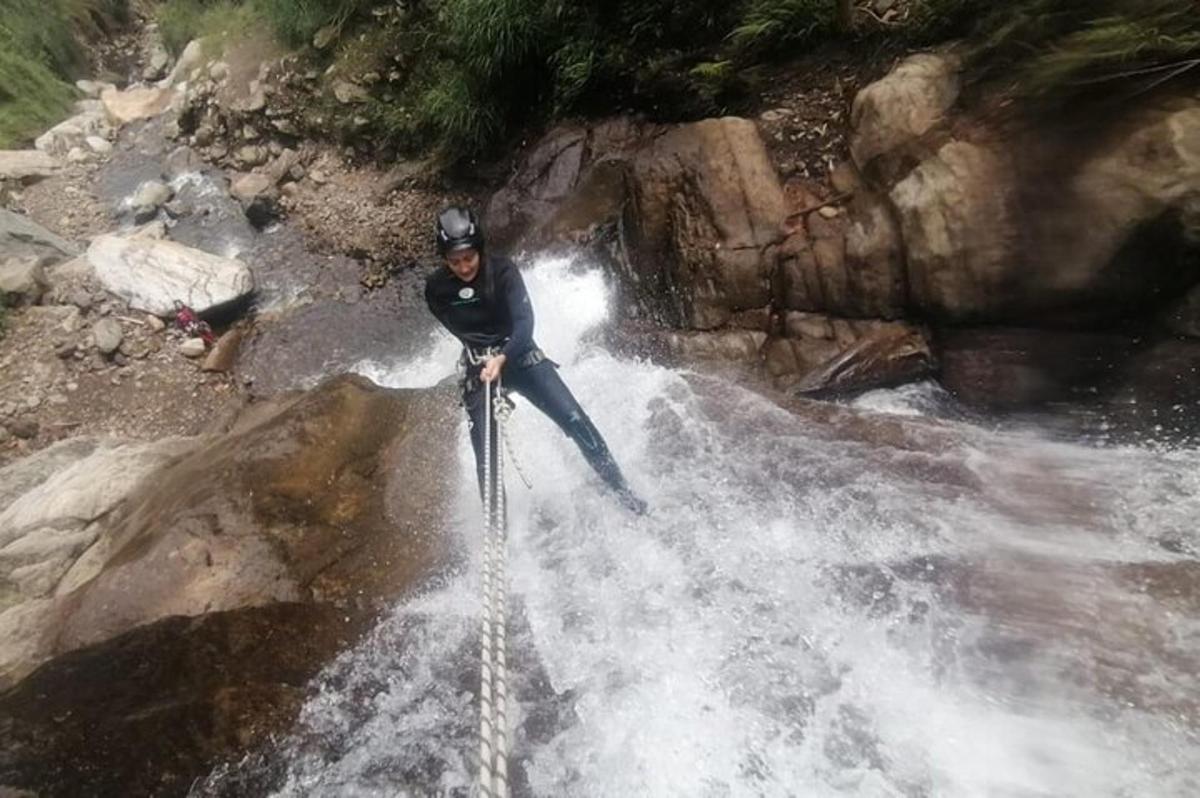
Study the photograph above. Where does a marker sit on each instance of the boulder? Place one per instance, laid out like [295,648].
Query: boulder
[130,105]
[327,496]
[818,354]
[957,216]
[24,165]
[890,116]
[882,357]
[23,279]
[258,197]
[149,197]
[1122,235]
[21,237]
[73,133]
[152,275]
[157,61]
[98,145]
[705,212]
[190,60]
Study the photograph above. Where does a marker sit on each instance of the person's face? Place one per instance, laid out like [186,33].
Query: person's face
[464,263]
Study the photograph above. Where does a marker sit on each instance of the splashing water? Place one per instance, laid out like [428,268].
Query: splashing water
[845,604]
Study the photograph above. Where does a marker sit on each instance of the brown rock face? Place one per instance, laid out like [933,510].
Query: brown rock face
[890,116]
[956,218]
[333,495]
[706,206]
[213,584]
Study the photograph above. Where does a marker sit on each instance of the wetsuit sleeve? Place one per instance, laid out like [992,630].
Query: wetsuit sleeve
[520,311]
[437,310]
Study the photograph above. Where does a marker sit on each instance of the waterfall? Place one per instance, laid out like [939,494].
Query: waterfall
[854,601]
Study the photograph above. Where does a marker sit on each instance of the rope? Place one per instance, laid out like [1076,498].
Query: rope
[493,690]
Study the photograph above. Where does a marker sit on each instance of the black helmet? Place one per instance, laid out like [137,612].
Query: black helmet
[457,228]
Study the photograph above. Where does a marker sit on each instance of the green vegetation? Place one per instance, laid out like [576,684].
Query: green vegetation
[180,21]
[465,75]
[39,52]
[1058,48]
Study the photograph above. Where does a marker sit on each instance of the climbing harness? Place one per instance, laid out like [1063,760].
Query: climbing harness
[493,690]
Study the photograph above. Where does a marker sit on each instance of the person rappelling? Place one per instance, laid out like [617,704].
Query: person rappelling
[481,299]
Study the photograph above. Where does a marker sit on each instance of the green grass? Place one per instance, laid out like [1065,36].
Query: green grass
[41,51]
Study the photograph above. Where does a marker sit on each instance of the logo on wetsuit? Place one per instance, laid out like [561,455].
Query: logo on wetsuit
[466,296]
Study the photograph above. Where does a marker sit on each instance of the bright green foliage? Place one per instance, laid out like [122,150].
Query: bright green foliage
[297,21]
[768,26]
[39,51]
[1059,47]
[180,21]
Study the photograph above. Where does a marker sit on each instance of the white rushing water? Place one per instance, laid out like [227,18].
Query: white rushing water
[873,604]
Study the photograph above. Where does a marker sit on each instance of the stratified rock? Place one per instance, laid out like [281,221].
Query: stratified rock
[24,165]
[152,275]
[708,207]
[108,335]
[893,113]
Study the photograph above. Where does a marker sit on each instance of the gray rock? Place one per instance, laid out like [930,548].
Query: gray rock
[182,161]
[99,145]
[93,88]
[191,59]
[78,155]
[66,351]
[26,165]
[24,428]
[151,275]
[149,197]
[22,237]
[250,156]
[23,279]
[192,347]
[108,335]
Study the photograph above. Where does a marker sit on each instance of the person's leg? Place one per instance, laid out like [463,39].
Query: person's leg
[546,391]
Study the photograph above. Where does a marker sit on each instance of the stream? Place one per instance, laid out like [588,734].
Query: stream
[882,598]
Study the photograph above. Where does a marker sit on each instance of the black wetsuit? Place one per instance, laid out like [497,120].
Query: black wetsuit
[493,311]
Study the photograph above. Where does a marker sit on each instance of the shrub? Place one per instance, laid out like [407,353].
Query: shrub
[767,26]
[39,52]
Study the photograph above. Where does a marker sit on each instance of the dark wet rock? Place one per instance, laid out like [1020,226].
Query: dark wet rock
[884,357]
[154,709]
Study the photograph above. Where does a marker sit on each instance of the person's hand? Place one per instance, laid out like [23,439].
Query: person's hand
[491,369]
